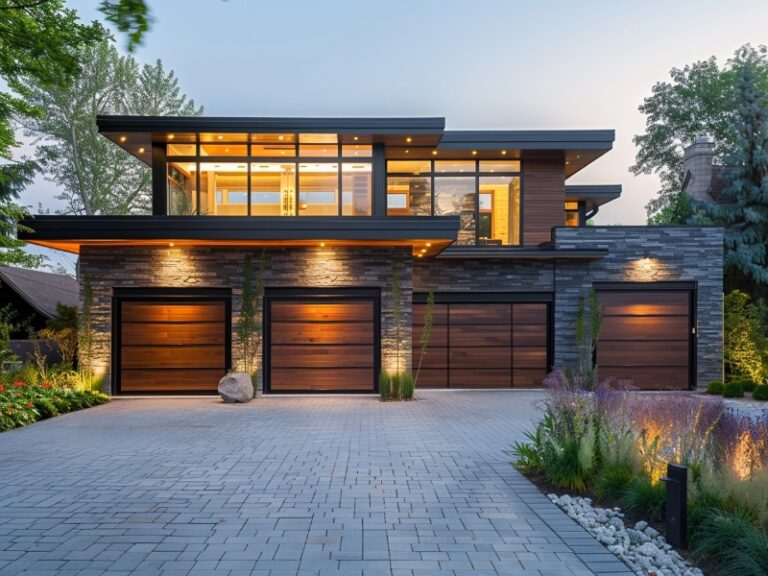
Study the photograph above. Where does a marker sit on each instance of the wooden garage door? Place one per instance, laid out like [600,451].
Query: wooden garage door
[168,346]
[317,345]
[646,337]
[482,345]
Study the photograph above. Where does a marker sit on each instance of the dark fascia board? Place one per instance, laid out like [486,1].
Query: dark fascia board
[528,139]
[233,228]
[547,252]
[593,195]
[107,123]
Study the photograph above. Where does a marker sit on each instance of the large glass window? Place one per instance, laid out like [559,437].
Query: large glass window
[572,214]
[182,188]
[318,189]
[485,195]
[356,189]
[273,189]
[223,189]
[409,196]
[456,195]
[499,217]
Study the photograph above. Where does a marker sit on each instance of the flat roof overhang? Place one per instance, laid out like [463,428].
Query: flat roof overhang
[542,252]
[427,236]
[593,195]
[142,131]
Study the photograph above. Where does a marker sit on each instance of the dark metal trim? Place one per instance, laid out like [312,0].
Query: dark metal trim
[379,180]
[159,181]
[484,297]
[343,294]
[372,228]
[119,295]
[521,253]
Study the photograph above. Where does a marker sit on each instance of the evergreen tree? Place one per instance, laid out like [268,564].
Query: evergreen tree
[744,211]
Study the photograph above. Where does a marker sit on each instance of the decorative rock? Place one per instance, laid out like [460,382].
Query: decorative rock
[641,548]
[236,387]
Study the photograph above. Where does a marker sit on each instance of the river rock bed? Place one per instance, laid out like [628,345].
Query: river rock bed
[642,548]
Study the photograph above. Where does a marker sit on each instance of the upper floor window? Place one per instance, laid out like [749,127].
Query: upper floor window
[269,175]
[485,195]
[572,216]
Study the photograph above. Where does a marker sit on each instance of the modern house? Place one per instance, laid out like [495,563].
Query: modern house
[343,207]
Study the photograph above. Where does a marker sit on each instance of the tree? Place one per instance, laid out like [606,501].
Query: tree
[698,100]
[744,209]
[40,40]
[95,176]
[745,337]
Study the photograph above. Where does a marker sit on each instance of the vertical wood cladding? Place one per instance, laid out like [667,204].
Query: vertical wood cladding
[543,195]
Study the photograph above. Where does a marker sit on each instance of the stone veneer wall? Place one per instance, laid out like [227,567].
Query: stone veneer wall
[676,253]
[483,275]
[219,267]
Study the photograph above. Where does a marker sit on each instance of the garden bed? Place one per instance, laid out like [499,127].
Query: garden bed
[613,445]
[22,403]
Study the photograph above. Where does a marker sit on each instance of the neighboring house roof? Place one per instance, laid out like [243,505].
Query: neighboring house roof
[42,290]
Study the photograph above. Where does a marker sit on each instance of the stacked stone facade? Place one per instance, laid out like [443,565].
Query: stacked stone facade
[635,254]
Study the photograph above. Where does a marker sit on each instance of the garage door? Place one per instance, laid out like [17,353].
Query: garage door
[171,346]
[646,337]
[482,345]
[322,344]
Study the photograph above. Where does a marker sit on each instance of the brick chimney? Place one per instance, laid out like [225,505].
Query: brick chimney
[697,168]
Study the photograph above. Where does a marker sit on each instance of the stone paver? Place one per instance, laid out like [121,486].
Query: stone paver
[285,486]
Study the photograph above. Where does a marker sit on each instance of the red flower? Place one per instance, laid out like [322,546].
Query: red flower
[46,385]
[29,405]
[2,388]
[19,384]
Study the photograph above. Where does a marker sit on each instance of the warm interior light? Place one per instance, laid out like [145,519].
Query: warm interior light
[170,244]
[474,152]
[123,138]
[220,137]
[407,151]
[434,152]
[141,150]
[429,244]
[322,244]
[226,149]
[281,137]
[171,136]
[419,255]
[503,152]
[409,139]
[355,138]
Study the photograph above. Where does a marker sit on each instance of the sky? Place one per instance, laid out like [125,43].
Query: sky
[482,64]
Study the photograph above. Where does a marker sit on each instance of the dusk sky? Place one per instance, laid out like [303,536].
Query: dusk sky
[482,64]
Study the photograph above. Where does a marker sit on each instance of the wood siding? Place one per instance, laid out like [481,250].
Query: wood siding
[646,338]
[490,345]
[543,195]
[172,346]
[322,346]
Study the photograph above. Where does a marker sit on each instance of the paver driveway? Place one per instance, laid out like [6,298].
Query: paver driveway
[284,486]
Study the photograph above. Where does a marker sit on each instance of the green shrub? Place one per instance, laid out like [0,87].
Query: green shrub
[612,481]
[396,386]
[729,540]
[644,498]
[747,385]
[761,393]
[733,389]
[715,387]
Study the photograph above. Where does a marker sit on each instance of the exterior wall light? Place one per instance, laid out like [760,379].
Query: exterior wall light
[123,138]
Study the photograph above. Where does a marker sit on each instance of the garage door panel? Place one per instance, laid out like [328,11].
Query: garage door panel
[321,380]
[530,335]
[438,336]
[474,314]
[172,312]
[646,337]
[157,333]
[474,378]
[656,303]
[480,335]
[309,356]
[528,378]
[433,357]
[321,333]
[650,378]
[480,358]
[172,346]
[644,328]
[432,378]
[439,314]
[321,312]
[625,353]
[172,380]
[524,357]
[532,314]
[172,356]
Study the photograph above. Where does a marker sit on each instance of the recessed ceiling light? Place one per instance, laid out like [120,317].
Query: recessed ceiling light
[226,149]
[409,139]
[171,136]
[355,138]
[220,137]
[429,244]
[170,244]
[503,152]
[419,255]
[141,150]
[434,152]
[407,151]
[281,137]
[123,138]
[322,244]
[474,152]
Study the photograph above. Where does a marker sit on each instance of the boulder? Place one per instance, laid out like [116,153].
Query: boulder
[236,387]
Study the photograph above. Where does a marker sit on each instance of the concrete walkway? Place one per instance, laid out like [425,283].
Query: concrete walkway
[285,486]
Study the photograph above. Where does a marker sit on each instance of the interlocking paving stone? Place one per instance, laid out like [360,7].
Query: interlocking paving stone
[285,486]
